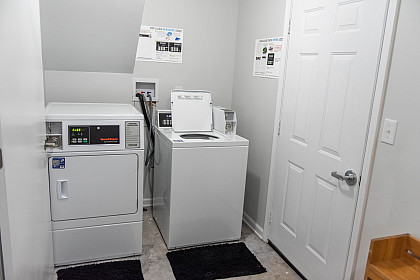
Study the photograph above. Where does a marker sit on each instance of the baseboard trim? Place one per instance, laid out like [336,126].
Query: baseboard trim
[256,228]
[147,202]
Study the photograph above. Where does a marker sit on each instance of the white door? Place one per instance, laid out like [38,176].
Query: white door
[90,186]
[333,59]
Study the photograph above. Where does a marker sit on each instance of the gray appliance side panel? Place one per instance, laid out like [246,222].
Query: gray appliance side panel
[162,185]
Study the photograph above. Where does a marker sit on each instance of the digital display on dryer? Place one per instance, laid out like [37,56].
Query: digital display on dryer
[79,135]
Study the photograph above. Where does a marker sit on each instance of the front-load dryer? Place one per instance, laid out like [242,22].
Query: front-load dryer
[95,180]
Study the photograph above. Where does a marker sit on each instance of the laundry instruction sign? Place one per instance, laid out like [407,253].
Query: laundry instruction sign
[160,44]
[267,57]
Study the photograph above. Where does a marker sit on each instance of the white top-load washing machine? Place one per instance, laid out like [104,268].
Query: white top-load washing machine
[199,176]
[95,180]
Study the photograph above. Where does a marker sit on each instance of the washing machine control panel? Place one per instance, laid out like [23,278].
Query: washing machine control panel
[94,134]
[164,119]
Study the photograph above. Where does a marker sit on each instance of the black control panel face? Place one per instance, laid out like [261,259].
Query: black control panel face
[105,134]
[165,119]
[94,134]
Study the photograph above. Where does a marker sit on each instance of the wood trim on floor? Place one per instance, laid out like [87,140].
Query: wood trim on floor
[256,228]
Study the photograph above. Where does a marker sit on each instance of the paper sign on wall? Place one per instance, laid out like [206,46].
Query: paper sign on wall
[267,57]
[160,44]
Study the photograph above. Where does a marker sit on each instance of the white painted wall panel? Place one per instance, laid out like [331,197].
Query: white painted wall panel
[208,59]
[90,35]
[254,98]
[393,202]
[73,86]
[210,28]
[24,215]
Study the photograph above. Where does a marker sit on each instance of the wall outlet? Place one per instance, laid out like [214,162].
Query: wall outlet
[389,131]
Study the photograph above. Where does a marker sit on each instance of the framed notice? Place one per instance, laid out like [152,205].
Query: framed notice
[160,44]
[267,57]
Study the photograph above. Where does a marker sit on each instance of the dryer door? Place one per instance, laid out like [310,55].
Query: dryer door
[89,186]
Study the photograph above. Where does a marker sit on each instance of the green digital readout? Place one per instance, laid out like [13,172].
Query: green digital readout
[76,130]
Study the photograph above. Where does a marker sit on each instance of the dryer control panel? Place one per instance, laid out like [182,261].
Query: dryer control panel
[99,135]
[79,127]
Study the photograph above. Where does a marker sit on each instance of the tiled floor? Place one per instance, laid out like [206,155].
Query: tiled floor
[156,266]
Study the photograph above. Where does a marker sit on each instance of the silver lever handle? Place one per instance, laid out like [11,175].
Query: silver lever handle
[350,177]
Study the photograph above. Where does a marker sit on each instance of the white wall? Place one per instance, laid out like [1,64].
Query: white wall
[72,86]
[393,203]
[24,199]
[208,59]
[90,35]
[209,47]
[254,98]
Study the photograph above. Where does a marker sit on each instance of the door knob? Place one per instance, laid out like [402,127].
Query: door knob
[350,177]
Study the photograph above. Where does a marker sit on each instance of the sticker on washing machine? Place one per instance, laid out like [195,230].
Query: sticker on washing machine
[59,163]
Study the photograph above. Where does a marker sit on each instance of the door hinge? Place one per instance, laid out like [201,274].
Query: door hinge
[290,23]
[1,160]
[270,218]
[278,129]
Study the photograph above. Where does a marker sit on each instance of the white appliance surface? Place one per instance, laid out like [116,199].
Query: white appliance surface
[215,139]
[96,188]
[199,188]
[90,111]
[125,116]
[191,110]
[224,120]
[97,242]
[86,192]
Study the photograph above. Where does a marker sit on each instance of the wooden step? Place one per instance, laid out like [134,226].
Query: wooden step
[394,257]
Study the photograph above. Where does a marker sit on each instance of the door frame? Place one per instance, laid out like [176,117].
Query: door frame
[5,246]
[1,260]
[372,133]
[1,187]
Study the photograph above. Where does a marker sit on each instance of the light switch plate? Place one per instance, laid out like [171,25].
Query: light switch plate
[389,131]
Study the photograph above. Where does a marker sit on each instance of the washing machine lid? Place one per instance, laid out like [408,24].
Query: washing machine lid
[88,111]
[201,139]
[191,110]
